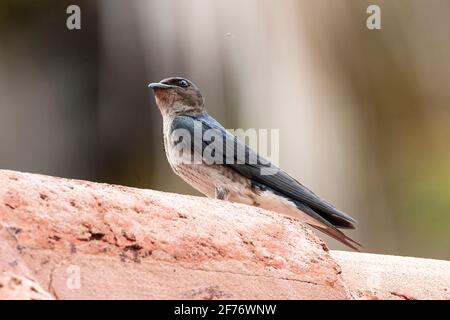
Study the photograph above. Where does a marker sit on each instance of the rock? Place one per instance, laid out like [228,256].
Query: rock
[90,240]
[85,240]
[376,276]
[13,287]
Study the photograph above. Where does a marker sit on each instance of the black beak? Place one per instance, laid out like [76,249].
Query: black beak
[159,85]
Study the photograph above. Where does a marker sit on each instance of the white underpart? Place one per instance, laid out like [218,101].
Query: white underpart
[272,202]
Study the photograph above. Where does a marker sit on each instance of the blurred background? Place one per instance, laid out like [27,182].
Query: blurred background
[364,115]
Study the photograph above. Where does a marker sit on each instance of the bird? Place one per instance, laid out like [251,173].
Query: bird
[227,169]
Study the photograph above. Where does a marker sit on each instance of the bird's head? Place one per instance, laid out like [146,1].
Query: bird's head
[178,96]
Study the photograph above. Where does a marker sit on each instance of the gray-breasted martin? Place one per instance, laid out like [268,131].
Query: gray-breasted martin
[213,161]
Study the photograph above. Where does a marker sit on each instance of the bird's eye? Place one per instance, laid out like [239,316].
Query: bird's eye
[183,83]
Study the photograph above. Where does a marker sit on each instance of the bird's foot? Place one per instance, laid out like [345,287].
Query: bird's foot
[221,193]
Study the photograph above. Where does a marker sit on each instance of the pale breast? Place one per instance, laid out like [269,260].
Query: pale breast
[203,177]
[206,178]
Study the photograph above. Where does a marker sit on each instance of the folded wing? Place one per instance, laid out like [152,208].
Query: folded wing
[252,166]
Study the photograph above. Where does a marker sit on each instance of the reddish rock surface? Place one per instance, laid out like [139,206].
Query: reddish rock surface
[376,276]
[84,240]
[131,243]
[13,287]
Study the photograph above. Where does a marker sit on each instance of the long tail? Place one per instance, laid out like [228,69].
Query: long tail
[328,228]
[340,236]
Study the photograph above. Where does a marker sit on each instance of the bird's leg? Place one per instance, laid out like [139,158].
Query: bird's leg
[221,193]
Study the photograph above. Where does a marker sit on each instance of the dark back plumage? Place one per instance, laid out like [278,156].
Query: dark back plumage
[278,181]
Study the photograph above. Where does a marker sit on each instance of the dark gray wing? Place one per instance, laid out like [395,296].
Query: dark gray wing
[277,181]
